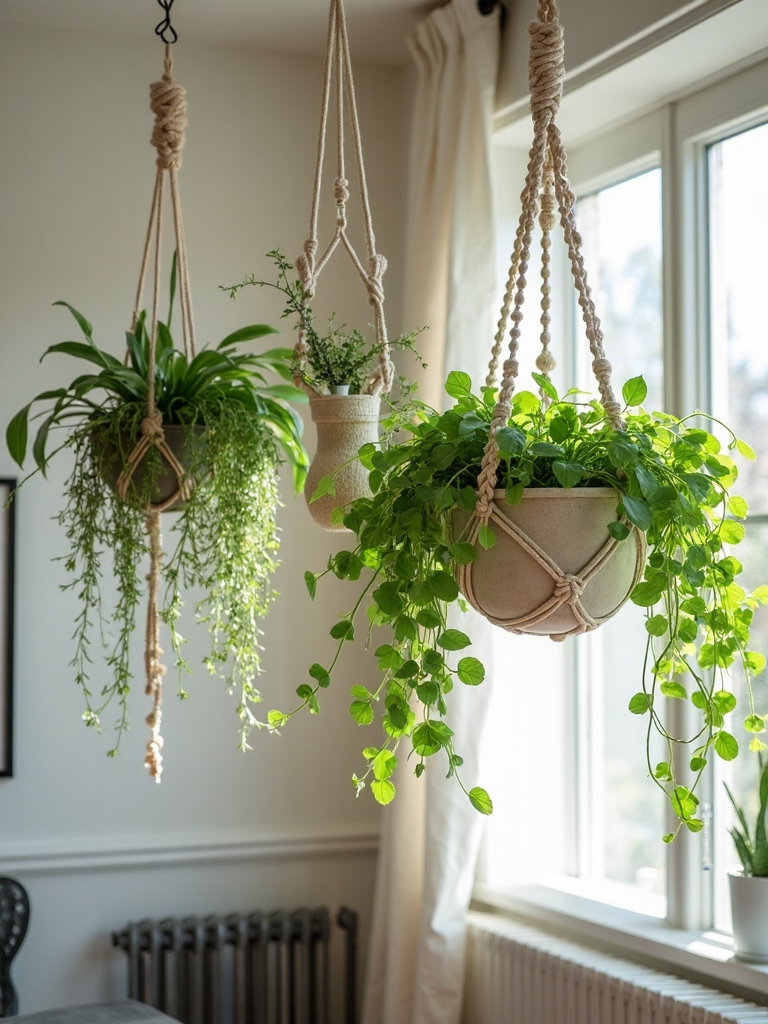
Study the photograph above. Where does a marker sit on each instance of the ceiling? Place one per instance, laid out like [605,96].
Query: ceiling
[376,27]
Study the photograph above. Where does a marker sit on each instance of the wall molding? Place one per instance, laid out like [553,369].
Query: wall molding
[120,853]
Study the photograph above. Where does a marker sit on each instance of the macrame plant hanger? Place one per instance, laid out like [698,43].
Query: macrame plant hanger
[338,65]
[344,422]
[546,191]
[169,105]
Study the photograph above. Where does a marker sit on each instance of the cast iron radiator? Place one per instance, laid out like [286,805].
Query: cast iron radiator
[257,968]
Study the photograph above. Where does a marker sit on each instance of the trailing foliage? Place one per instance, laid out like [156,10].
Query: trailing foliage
[753,849]
[236,428]
[672,481]
[336,358]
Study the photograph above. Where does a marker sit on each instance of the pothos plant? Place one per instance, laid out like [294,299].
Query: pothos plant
[236,430]
[337,358]
[672,479]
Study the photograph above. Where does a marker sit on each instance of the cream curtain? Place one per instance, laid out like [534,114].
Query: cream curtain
[431,833]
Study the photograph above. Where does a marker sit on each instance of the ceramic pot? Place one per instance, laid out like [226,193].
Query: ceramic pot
[749,909]
[184,442]
[344,424]
[585,577]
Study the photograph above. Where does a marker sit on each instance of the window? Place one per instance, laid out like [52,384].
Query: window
[675,225]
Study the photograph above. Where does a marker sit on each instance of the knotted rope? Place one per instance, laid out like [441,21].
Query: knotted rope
[546,190]
[169,105]
[546,167]
[568,587]
[338,64]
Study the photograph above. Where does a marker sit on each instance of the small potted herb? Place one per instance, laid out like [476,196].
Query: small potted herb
[338,370]
[668,483]
[749,887]
[226,430]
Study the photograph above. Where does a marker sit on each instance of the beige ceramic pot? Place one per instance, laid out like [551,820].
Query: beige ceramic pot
[184,442]
[344,424]
[554,569]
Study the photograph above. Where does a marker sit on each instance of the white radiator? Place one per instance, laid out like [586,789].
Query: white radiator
[517,974]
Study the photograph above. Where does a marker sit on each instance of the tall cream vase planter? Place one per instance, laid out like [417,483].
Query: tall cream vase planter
[749,910]
[344,422]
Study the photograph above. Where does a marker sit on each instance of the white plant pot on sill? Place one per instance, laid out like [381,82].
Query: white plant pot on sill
[344,424]
[749,910]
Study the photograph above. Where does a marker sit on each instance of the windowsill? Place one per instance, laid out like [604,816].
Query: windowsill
[706,957]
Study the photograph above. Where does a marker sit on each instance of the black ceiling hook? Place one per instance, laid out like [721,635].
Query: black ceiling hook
[165,25]
[489,6]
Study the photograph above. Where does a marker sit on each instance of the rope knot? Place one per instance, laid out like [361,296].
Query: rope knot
[168,102]
[569,587]
[378,267]
[152,426]
[545,362]
[341,191]
[305,268]
[547,218]
[546,68]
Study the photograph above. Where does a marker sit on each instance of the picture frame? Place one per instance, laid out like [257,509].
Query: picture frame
[7,594]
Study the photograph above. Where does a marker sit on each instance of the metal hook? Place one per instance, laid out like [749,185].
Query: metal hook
[165,25]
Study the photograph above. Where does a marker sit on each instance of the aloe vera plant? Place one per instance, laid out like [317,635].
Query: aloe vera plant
[752,848]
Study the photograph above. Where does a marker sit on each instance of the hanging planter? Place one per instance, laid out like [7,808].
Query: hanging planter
[554,570]
[465,504]
[339,362]
[199,432]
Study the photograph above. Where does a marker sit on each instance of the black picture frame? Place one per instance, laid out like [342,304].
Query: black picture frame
[7,596]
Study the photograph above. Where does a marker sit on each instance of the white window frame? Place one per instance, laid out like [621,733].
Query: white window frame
[676,137]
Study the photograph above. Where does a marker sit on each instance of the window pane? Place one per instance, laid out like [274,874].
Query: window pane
[621,228]
[738,260]
[621,811]
[739,297]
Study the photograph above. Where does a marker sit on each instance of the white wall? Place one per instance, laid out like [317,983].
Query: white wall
[93,839]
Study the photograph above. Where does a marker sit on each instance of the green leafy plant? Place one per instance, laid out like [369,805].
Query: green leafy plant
[336,358]
[236,428]
[672,480]
[752,849]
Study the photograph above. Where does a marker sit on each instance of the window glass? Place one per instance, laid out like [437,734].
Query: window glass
[622,811]
[621,229]
[738,260]
[738,282]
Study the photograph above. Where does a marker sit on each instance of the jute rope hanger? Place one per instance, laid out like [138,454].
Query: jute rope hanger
[338,64]
[546,188]
[169,105]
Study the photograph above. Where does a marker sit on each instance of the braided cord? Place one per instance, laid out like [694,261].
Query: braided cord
[546,185]
[338,65]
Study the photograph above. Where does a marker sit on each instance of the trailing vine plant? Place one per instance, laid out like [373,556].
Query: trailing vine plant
[673,481]
[236,429]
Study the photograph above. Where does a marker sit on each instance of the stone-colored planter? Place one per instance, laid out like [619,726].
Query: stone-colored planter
[344,424]
[586,576]
[749,910]
[182,441]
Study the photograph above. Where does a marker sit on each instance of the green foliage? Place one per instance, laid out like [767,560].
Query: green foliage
[752,849]
[224,538]
[336,358]
[672,481]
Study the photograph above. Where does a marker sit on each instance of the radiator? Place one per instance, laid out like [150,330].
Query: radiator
[257,968]
[518,974]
